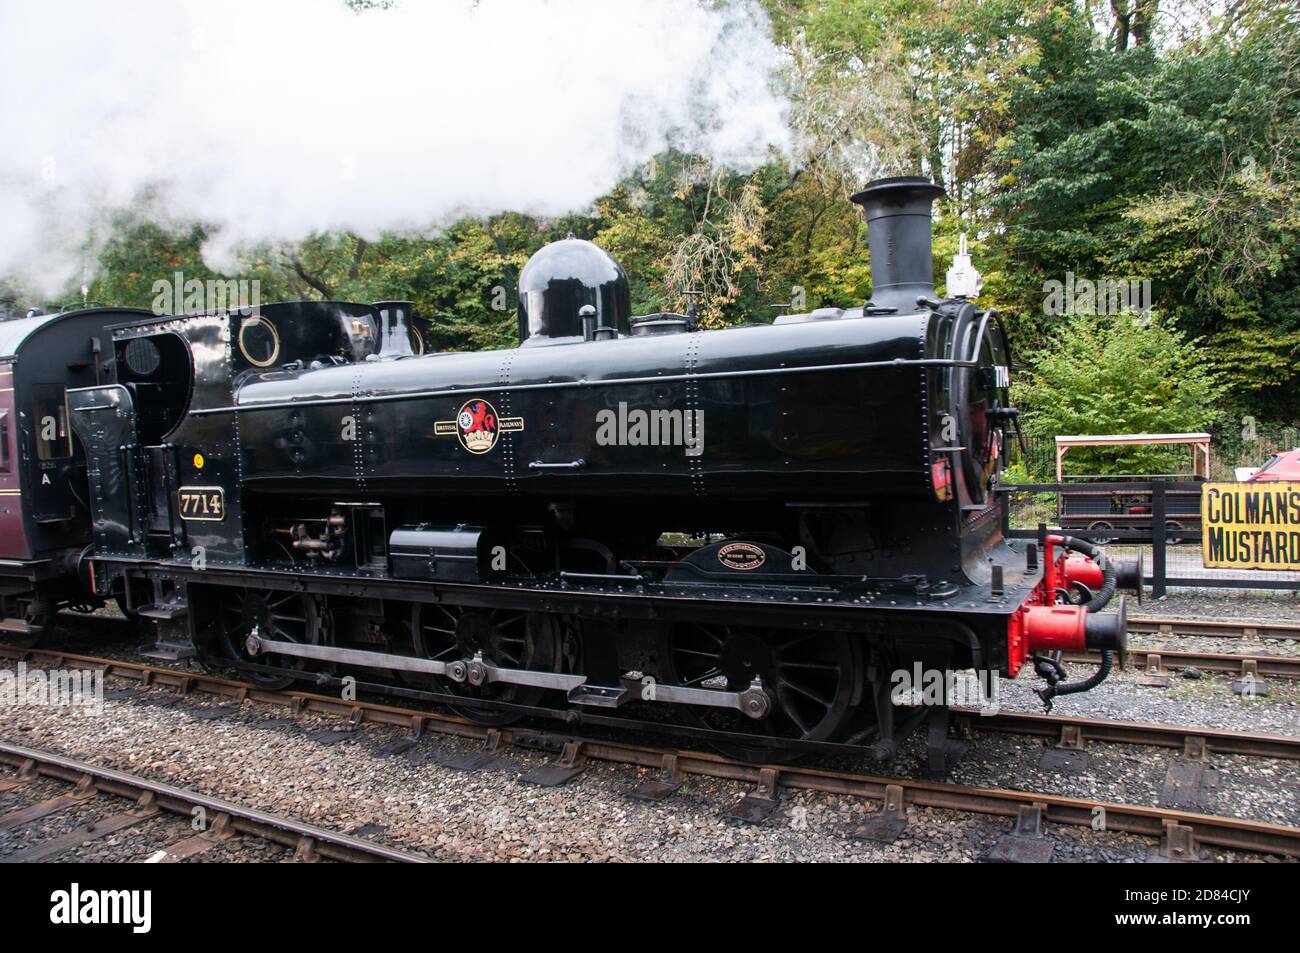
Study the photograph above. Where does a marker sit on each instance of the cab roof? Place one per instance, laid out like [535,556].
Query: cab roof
[14,334]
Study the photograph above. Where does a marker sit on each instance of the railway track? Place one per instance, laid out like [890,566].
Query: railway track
[1071,731]
[1286,747]
[1243,664]
[149,799]
[1213,628]
[1179,831]
[1156,658]
[1259,666]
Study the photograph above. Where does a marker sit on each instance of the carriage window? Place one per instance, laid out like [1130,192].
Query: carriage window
[50,417]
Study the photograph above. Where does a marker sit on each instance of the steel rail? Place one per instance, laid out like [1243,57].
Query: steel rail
[1213,628]
[1278,666]
[1263,745]
[1258,745]
[285,831]
[1226,832]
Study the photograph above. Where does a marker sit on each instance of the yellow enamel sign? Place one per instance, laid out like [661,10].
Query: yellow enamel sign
[1250,525]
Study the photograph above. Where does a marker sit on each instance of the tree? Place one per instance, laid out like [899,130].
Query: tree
[1114,375]
[1110,139]
[1177,166]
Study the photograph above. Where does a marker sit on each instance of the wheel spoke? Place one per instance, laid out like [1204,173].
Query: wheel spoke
[807,692]
[701,653]
[792,712]
[711,673]
[815,666]
[709,633]
[797,640]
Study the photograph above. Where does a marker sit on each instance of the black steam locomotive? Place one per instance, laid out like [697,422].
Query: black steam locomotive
[756,526]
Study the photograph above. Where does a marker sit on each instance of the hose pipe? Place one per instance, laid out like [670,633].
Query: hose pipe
[1050,690]
[1109,581]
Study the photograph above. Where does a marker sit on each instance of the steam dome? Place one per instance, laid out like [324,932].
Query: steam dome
[559,281]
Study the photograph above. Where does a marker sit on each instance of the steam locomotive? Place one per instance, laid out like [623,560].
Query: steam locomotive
[756,528]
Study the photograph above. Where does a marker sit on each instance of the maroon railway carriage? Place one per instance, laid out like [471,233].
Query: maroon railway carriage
[44,516]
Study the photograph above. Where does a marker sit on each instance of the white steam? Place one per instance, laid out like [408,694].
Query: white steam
[271,119]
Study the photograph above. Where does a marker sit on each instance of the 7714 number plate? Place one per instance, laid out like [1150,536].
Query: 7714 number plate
[202,503]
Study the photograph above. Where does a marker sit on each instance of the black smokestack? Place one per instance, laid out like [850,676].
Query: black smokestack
[394,328]
[898,230]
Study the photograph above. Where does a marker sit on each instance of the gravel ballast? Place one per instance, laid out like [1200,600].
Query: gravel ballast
[415,802]
[323,771]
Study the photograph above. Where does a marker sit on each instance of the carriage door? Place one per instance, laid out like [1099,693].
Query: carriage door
[53,470]
[13,538]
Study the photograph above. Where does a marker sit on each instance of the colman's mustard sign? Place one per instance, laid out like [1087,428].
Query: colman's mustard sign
[1250,525]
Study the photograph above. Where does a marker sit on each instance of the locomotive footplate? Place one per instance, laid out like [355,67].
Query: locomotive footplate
[850,607]
[754,702]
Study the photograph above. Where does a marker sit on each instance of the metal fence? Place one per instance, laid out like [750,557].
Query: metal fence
[1124,515]
[1238,446]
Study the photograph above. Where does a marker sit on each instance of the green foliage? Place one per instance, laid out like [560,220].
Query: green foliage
[140,253]
[1106,375]
[1068,142]
[1174,166]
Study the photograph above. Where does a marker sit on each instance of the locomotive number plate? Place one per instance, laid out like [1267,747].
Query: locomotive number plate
[202,503]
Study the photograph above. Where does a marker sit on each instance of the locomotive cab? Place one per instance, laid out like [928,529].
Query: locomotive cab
[158,372]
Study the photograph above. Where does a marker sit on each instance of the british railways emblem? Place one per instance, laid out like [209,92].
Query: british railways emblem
[478,425]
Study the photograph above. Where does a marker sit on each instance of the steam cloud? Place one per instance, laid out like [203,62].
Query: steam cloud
[271,120]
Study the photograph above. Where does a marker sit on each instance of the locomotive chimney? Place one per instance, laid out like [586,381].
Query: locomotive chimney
[394,329]
[898,230]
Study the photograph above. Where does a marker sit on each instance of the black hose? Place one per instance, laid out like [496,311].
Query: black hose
[1048,692]
[1109,581]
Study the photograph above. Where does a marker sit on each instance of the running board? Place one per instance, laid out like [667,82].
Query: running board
[753,701]
[165,611]
[169,651]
